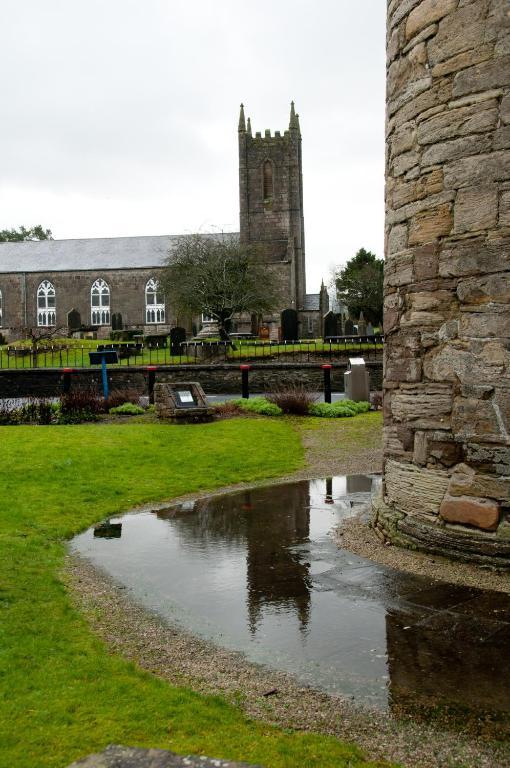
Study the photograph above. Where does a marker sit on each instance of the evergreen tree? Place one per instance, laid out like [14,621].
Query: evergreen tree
[360,286]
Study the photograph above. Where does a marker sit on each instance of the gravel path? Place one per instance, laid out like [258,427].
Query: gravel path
[269,695]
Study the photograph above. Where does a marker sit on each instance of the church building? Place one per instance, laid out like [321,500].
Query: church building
[99,284]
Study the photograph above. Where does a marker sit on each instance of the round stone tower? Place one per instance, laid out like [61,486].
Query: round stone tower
[447,279]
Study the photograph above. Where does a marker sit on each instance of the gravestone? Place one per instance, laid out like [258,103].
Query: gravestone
[362,325]
[370,329]
[177,336]
[116,321]
[330,324]
[349,327]
[289,319]
[73,320]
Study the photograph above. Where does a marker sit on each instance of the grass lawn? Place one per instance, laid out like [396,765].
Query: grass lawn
[62,694]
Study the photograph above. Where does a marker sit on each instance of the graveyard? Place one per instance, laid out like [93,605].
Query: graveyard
[272,534]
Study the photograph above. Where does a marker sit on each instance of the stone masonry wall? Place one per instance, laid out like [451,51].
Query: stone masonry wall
[215,379]
[447,277]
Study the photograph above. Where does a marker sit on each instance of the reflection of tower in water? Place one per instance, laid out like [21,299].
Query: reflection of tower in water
[277,578]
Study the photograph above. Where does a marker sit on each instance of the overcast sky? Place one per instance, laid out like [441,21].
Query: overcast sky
[119,117]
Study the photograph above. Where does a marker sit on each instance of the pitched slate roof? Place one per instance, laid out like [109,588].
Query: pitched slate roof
[90,253]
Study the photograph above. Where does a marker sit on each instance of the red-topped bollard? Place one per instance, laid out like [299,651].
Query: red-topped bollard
[245,389]
[151,380]
[327,382]
[66,384]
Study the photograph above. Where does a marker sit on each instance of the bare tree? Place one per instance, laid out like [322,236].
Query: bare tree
[36,336]
[218,276]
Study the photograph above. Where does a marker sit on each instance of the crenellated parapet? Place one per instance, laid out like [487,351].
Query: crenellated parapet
[447,278]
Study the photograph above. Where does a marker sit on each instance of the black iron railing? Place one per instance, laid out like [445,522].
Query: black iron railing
[72,355]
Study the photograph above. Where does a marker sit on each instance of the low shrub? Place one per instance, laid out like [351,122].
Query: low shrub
[259,405]
[226,409]
[295,400]
[79,405]
[339,409]
[127,409]
[120,396]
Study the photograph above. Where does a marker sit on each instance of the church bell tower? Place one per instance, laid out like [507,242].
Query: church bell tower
[271,202]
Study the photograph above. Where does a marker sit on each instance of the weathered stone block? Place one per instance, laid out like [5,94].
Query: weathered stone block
[489,74]
[425,406]
[421,319]
[407,69]
[489,322]
[453,123]
[397,238]
[430,225]
[131,757]
[402,163]
[427,12]
[415,489]
[456,148]
[489,458]
[433,96]
[475,257]
[505,109]
[460,32]
[465,481]
[403,140]
[502,138]
[420,454]
[398,10]
[426,185]
[403,369]
[479,290]
[430,301]
[476,420]
[504,209]
[426,262]
[470,511]
[461,60]
[398,269]
[482,169]
[476,208]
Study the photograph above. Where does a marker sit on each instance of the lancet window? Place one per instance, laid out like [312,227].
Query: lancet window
[46,304]
[100,303]
[154,302]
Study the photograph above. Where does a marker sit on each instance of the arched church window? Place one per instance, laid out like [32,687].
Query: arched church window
[100,303]
[154,302]
[268,181]
[46,304]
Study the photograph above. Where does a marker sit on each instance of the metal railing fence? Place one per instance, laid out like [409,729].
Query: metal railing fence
[16,356]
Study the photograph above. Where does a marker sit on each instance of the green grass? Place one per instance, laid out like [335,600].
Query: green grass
[62,693]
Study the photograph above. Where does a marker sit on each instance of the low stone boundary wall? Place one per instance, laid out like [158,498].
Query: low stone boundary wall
[215,379]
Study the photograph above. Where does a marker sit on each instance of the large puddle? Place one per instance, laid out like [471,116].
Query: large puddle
[258,571]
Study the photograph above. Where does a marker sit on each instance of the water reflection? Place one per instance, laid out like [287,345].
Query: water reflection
[258,571]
